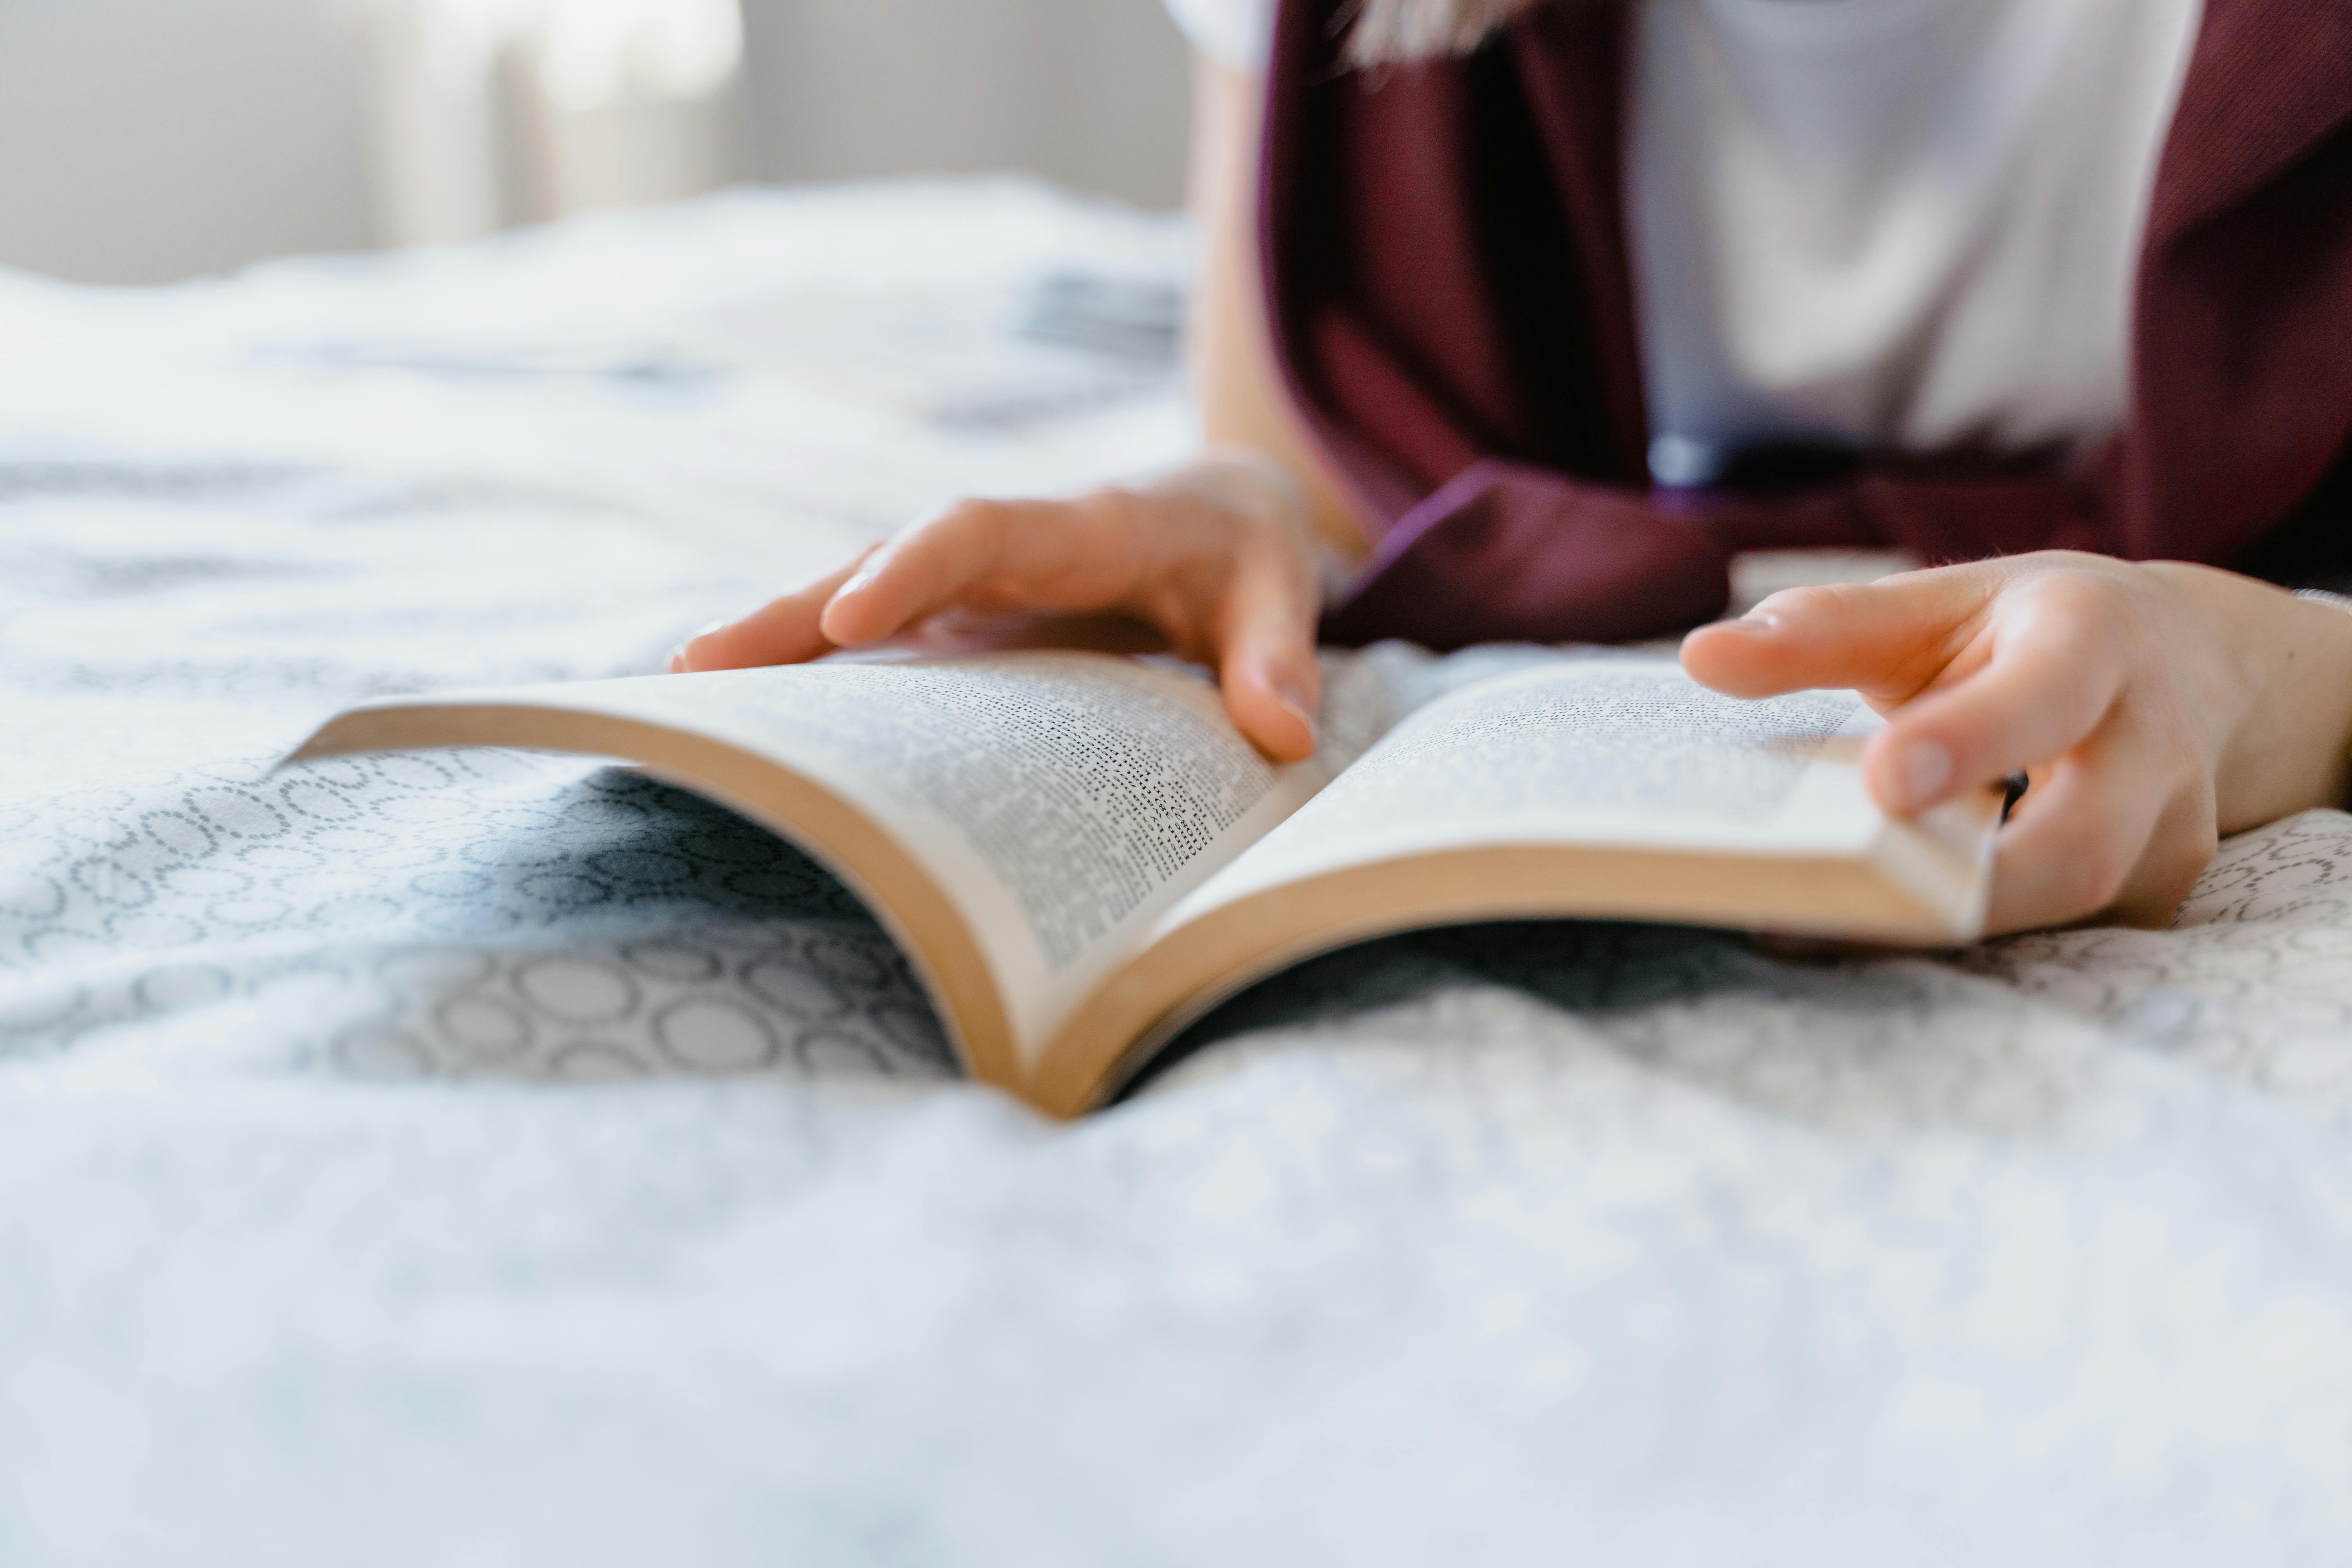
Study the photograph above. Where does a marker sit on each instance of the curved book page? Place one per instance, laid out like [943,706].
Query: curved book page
[1594,788]
[1020,822]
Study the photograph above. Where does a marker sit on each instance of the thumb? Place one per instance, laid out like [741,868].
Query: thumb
[1887,639]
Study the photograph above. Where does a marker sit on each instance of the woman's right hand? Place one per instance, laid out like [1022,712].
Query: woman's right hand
[1219,555]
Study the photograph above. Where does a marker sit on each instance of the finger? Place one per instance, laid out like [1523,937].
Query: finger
[2057,664]
[1047,555]
[1887,639]
[2084,838]
[1265,658]
[781,631]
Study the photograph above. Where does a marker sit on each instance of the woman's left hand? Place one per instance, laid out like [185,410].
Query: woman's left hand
[2154,707]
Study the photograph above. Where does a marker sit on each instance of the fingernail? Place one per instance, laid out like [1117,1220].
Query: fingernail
[1925,768]
[1750,624]
[677,654]
[1293,697]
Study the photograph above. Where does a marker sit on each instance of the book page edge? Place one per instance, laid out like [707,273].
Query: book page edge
[1228,948]
[888,880]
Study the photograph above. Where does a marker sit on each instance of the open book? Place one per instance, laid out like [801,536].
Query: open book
[1080,855]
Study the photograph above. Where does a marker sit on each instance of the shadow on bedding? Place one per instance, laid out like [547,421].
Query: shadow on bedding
[667,937]
[1891,1041]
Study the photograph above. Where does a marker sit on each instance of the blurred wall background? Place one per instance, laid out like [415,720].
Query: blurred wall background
[1090,92]
[147,140]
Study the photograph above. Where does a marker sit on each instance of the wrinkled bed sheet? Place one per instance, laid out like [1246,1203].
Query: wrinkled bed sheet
[491,1159]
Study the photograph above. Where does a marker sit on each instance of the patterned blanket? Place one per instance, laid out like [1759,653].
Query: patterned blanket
[492,1159]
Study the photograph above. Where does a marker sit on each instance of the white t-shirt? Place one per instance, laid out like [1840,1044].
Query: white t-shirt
[1892,223]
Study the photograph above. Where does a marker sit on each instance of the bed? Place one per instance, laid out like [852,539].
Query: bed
[493,1159]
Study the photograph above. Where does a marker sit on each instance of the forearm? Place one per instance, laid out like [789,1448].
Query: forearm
[1240,393]
[2291,749]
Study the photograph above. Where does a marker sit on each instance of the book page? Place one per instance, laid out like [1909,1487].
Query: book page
[1064,800]
[1618,750]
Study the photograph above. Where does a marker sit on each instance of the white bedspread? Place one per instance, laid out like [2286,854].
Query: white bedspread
[480,1159]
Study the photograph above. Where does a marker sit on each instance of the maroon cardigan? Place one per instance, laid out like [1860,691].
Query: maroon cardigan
[1451,297]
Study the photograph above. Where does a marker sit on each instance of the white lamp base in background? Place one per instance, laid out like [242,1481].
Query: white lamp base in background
[484,113]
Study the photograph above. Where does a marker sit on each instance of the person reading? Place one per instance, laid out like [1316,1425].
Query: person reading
[1532,311]
[1519,319]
